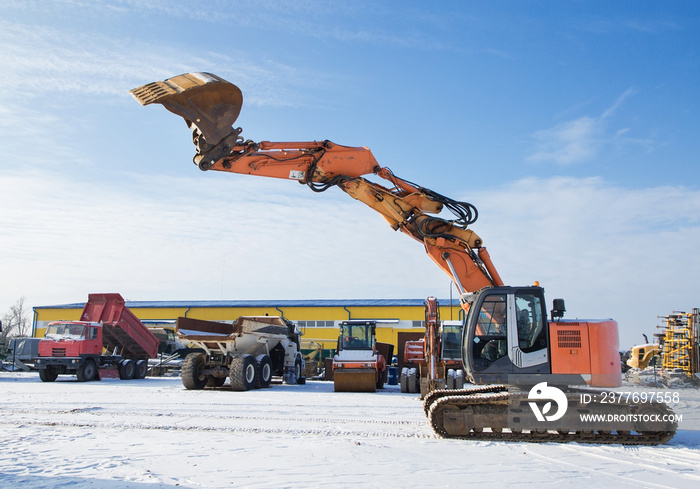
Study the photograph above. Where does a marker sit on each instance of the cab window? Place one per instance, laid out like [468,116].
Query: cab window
[491,342]
[531,322]
[356,337]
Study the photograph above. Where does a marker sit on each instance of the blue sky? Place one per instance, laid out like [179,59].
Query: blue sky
[572,126]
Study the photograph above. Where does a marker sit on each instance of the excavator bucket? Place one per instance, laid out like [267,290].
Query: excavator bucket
[202,99]
[354,380]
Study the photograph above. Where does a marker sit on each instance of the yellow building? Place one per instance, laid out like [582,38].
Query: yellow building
[317,319]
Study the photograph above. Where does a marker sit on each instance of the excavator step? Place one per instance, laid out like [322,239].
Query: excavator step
[354,380]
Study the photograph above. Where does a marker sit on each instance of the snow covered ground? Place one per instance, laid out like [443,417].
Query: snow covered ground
[152,433]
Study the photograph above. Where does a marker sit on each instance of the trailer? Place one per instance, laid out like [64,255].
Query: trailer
[248,352]
[108,341]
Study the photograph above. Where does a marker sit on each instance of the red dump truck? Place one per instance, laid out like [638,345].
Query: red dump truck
[108,341]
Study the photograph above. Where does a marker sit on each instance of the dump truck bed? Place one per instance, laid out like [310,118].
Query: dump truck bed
[121,329]
[248,334]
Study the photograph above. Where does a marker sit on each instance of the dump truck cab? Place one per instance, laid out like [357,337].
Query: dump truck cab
[71,339]
[70,347]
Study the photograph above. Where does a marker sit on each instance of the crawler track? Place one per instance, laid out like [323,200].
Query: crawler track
[482,413]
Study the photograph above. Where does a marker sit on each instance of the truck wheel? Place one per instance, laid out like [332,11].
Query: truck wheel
[87,371]
[141,369]
[48,374]
[191,368]
[127,369]
[413,381]
[459,379]
[450,379]
[264,365]
[403,379]
[380,379]
[243,373]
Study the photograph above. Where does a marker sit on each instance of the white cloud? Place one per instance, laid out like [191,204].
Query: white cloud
[609,251]
[37,60]
[582,139]
[568,142]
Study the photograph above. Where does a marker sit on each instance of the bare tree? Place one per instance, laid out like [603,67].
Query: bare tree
[15,322]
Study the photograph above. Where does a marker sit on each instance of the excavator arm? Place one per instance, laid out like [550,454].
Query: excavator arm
[210,105]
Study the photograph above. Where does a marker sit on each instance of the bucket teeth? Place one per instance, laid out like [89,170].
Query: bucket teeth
[189,82]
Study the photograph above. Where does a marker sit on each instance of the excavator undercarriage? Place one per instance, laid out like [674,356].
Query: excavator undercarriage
[497,412]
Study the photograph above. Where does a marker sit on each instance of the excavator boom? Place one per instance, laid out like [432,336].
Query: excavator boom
[210,105]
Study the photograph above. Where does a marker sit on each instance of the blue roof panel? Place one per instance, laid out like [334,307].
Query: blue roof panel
[266,303]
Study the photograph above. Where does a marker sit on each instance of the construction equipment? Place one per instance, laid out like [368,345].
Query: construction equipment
[507,338]
[358,366]
[108,341]
[433,378]
[313,360]
[681,340]
[248,352]
[435,361]
[456,249]
[413,358]
[510,348]
[641,355]
[22,352]
[451,353]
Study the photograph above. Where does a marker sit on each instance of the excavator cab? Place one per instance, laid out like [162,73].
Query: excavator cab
[505,334]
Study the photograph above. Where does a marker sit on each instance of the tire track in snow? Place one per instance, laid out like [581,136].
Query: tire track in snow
[638,478]
[673,460]
[225,429]
[282,416]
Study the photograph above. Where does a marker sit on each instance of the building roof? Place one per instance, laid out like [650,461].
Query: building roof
[266,303]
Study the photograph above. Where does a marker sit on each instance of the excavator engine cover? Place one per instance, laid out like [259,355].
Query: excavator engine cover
[205,100]
[355,380]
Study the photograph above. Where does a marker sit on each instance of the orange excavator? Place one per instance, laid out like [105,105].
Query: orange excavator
[520,364]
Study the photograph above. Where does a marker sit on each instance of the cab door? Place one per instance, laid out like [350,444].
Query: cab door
[93,345]
[527,332]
